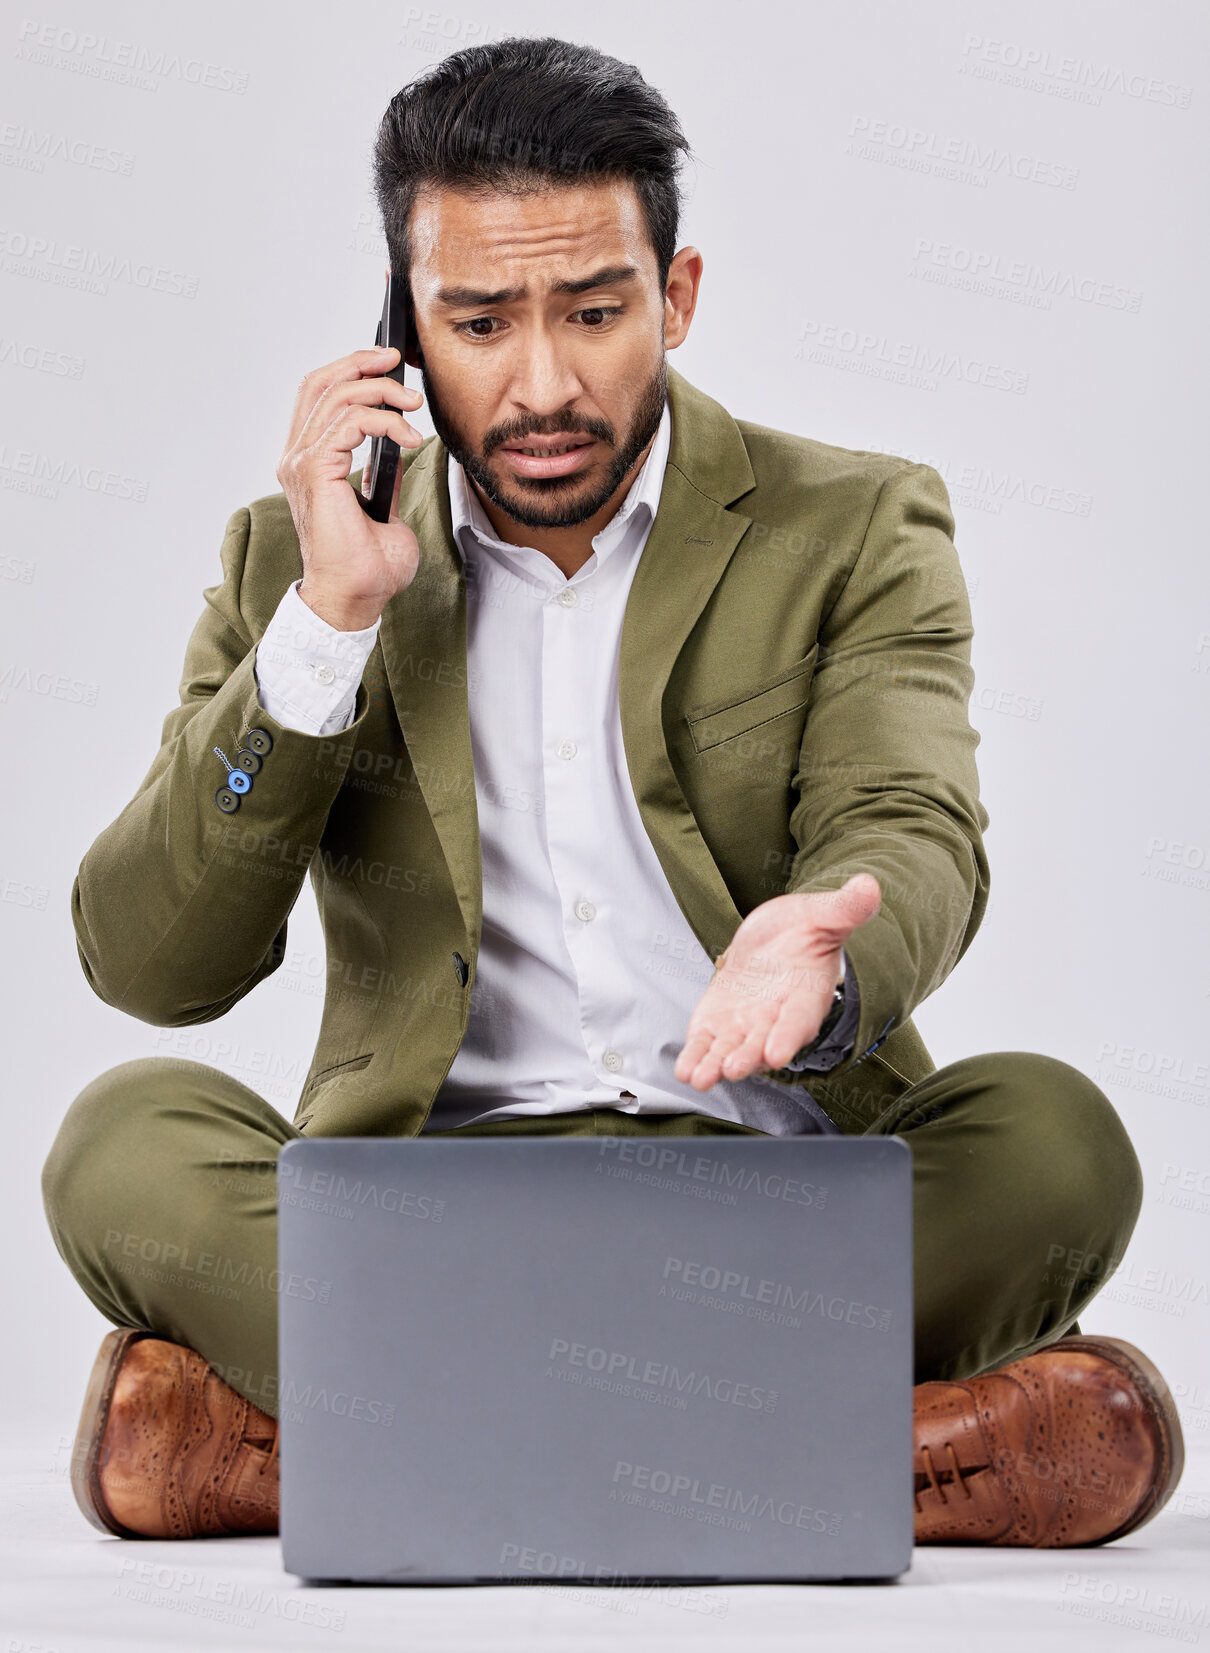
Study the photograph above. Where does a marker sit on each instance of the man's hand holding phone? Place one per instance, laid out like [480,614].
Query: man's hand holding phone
[352,565]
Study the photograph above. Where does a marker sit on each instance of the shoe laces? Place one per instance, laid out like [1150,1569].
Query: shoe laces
[935,1481]
[270,1462]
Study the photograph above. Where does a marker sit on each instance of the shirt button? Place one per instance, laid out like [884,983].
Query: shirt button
[567,598]
[612,1060]
[585,910]
[567,748]
[324,673]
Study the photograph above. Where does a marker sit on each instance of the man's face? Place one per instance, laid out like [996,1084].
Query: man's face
[542,324]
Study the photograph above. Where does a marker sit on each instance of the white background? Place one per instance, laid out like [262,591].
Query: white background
[1092,624]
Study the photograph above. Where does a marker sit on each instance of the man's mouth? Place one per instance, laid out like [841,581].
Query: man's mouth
[543,456]
[546,453]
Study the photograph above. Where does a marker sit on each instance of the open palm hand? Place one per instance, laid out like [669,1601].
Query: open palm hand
[774,984]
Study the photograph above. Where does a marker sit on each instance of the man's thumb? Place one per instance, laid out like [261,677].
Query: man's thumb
[858,899]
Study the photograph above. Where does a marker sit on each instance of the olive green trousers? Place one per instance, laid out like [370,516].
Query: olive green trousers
[160,1191]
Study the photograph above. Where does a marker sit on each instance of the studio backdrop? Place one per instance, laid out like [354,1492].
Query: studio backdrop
[969,234]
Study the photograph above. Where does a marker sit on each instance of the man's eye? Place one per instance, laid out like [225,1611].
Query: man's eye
[595,317]
[468,327]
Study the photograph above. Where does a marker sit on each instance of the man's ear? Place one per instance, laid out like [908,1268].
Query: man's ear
[680,296]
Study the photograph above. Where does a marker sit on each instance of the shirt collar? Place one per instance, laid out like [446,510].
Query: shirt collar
[470,523]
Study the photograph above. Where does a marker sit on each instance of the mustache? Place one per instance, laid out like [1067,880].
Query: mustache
[599,429]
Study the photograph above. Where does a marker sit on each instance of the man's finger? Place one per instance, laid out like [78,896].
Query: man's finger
[707,1071]
[359,364]
[352,393]
[696,1046]
[739,1062]
[348,431]
[837,913]
[788,1034]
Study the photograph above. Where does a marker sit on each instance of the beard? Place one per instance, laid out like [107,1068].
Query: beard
[553,501]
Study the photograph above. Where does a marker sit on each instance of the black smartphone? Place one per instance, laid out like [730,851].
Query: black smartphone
[378,475]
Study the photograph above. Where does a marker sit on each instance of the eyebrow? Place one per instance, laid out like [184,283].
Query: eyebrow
[469,298]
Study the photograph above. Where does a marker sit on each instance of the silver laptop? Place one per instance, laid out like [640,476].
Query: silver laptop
[595,1359]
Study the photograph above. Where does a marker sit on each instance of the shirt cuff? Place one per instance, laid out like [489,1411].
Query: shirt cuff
[307,672]
[839,1043]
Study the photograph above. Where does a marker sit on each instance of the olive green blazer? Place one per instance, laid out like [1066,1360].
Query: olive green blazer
[794,678]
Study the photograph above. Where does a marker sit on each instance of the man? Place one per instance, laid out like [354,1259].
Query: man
[631,764]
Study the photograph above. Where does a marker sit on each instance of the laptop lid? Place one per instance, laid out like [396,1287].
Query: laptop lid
[596,1358]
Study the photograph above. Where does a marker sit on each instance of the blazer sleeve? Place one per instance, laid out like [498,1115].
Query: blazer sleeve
[180,909]
[887,781]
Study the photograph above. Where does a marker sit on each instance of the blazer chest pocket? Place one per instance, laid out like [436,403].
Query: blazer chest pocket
[722,720]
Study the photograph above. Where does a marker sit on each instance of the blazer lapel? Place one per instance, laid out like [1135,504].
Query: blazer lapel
[689,546]
[423,641]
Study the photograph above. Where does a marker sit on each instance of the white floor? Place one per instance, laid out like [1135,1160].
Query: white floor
[66,1589]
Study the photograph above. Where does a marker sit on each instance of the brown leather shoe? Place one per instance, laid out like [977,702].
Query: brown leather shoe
[1078,1443]
[166,1449]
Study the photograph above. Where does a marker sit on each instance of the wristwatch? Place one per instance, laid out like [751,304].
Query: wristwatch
[825,1027]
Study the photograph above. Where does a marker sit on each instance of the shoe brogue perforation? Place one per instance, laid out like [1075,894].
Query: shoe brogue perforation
[199,1430]
[1078,1443]
[1026,1524]
[166,1449]
[1081,1438]
[227,1426]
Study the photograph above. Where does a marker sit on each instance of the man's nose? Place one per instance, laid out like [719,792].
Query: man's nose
[544,380]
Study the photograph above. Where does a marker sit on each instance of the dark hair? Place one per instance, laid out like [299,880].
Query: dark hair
[520,114]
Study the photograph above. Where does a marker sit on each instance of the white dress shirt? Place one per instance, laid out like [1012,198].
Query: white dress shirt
[587,971]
